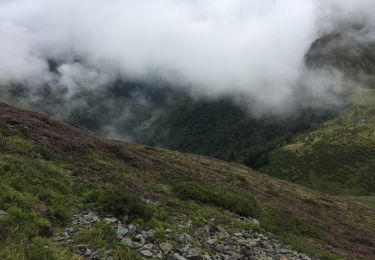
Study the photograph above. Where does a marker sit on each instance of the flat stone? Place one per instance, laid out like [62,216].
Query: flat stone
[148,246]
[183,238]
[140,239]
[71,230]
[136,245]
[211,241]
[194,251]
[146,253]
[2,212]
[184,249]
[110,221]
[122,232]
[178,257]
[95,255]
[58,239]
[82,246]
[166,247]
[88,252]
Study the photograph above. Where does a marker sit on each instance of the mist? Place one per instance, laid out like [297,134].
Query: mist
[250,49]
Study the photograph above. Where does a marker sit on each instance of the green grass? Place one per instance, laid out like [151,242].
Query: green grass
[338,156]
[98,237]
[221,129]
[36,194]
[43,184]
[118,200]
[240,203]
[369,201]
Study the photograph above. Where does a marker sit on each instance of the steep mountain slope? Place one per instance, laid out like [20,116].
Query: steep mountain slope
[49,170]
[338,156]
[348,50]
[221,129]
[339,163]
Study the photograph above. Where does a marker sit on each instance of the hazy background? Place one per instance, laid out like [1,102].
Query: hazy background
[61,52]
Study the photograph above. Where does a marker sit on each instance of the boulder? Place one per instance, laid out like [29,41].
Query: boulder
[183,238]
[166,247]
[146,253]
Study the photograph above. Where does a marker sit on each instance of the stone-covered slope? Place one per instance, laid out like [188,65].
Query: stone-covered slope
[50,171]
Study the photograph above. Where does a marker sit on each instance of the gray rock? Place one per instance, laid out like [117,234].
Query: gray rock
[88,252]
[178,257]
[132,228]
[146,253]
[148,246]
[140,239]
[184,249]
[149,235]
[95,255]
[183,238]
[2,212]
[71,230]
[110,221]
[211,241]
[220,248]
[194,252]
[82,247]
[166,247]
[108,253]
[136,245]
[122,232]
[58,239]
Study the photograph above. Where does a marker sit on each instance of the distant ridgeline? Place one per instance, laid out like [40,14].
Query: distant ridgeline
[335,145]
[338,156]
[346,53]
[327,150]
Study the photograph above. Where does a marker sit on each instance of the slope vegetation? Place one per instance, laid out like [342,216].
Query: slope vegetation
[225,131]
[49,171]
[338,156]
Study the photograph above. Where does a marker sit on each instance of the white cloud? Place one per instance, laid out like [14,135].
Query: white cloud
[216,46]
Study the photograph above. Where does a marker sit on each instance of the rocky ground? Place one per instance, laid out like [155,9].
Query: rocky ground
[204,243]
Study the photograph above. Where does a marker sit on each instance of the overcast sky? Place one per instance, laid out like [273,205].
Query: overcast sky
[217,46]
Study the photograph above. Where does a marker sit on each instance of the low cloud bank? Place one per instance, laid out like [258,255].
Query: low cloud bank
[252,49]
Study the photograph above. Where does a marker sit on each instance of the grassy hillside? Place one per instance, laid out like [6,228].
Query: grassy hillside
[49,170]
[338,156]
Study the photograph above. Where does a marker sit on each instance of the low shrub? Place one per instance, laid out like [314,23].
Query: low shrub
[120,202]
[235,201]
[43,249]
